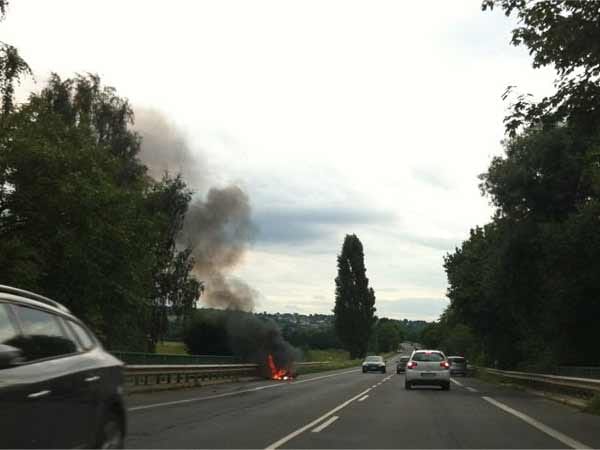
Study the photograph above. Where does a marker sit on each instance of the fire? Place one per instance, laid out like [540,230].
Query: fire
[278,374]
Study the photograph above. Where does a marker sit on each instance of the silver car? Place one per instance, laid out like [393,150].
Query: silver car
[427,367]
[458,365]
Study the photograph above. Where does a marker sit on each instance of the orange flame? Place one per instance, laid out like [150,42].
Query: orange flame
[277,374]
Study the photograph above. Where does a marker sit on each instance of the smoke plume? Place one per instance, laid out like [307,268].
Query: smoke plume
[218,228]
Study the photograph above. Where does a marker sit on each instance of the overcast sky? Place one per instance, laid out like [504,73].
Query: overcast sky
[337,117]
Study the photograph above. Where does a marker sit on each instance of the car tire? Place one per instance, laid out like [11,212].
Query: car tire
[364,371]
[446,386]
[383,371]
[407,386]
[111,433]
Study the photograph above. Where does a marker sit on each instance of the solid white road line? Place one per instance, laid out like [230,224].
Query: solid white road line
[299,431]
[469,388]
[229,394]
[570,442]
[362,399]
[458,383]
[325,424]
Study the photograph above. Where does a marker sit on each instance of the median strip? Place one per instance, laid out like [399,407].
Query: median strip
[563,438]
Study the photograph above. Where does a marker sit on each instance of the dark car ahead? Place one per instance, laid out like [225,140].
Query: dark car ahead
[401,364]
[58,387]
[458,365]
[373,364]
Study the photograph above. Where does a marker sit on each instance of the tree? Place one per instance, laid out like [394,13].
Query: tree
[80,221]
[354,299]
[524,288]
[389,335]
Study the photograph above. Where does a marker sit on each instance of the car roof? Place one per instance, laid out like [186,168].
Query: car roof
[428,351]
[27,297]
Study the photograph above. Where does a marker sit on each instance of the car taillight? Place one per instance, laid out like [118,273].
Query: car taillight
[411,365]
[445,364]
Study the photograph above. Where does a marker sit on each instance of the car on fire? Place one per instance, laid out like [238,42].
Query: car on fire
[374,364]
[58,387]
[427,367]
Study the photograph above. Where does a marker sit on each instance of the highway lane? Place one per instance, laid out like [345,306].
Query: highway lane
[348,409]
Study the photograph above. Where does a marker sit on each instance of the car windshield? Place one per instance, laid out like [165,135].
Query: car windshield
[374,359]
[426,356]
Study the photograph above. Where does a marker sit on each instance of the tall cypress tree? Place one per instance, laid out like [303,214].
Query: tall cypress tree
[354,299]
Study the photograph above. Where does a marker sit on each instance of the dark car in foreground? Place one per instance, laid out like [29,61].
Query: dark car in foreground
[58,387]
[374,364]
[401,364]
[458,365]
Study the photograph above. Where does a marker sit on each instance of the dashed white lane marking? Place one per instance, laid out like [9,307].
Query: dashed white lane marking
[362,399]
[325,424]
[308,426]
[229,394]
[374,386]
[469,388]
[568,441]
[458,383]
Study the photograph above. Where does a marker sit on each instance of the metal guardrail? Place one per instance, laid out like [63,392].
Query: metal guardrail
[139,358]
[581,385]
[160,376]
[579,372]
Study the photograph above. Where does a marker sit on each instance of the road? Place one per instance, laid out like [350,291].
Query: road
[349,409]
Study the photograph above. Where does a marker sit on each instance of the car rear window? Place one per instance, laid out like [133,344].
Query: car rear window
[457,360]
[425,357]
[404,358]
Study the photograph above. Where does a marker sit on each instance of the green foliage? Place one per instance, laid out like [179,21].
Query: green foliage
[354,299]
[79,219]
[526,286]
[390,334]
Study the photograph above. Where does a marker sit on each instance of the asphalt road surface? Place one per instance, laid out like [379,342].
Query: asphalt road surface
[349,409]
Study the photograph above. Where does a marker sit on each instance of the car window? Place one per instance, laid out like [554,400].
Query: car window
[7,328]
[457,360]
[425,357]
[404,359]
[42,335]
[374,358]
[84,338]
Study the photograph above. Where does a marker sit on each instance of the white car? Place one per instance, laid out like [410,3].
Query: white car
[427,367]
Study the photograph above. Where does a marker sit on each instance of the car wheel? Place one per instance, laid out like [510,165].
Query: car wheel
[446,386]
[111,433]
[383,371]
[407,386]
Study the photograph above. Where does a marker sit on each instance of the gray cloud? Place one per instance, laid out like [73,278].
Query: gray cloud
[299,226]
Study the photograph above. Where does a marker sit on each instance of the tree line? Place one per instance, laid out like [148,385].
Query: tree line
[524,289]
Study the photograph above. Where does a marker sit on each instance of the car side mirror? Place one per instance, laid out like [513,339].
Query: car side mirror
[9,356]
